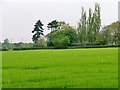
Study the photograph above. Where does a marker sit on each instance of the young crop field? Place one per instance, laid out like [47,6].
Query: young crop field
[65,68]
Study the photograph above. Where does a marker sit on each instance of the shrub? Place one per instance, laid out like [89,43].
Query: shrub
[67,35]
[42,42]
[61,42]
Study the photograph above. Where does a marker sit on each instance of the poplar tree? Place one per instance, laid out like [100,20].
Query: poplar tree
[97,21]
[89,26]
[83,28]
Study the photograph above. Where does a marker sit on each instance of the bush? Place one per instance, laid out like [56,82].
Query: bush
[61,42]
[67,35]
[42,42]
[93,46]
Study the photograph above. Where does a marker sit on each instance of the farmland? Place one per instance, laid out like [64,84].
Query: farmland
[65,68]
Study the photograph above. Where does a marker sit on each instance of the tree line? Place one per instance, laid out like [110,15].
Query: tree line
[89,32]
[89,27]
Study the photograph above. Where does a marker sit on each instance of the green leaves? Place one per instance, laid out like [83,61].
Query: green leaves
[88,28]
[62,38]
[110,33]
[61,41]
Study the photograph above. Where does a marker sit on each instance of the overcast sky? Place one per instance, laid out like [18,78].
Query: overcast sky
[17,17]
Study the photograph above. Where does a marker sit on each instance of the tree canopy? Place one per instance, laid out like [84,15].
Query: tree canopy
[38,31]
[110,34]
[53,25]
[89,27]
[62,37]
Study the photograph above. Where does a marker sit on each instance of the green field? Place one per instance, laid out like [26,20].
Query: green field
[75,68]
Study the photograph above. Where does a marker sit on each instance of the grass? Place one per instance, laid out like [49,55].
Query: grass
[75,68]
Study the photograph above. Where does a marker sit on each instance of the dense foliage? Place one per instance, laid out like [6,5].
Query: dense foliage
[88,33]
[61,38]
[110,34]
[88,28]
[38,31]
